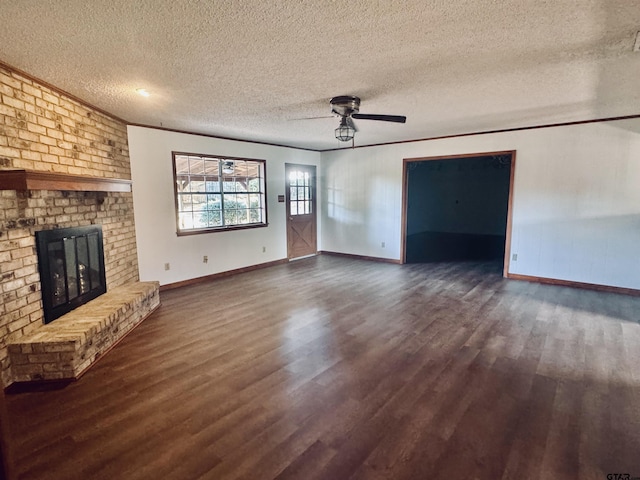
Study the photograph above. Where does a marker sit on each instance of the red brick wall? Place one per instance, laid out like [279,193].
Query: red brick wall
[41,129]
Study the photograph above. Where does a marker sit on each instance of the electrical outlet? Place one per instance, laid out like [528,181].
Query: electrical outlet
[167,266]
[264,249]
[382,244]
[514,257]
[205,259]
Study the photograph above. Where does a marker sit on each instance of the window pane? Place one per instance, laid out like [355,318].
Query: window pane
[230,217]
[254,185]
[241,184]
[255,215]
[212,184]
[182,182]
[243,216]
[214,202]
[301,191]
[196,166]
[214,218]
[294,208]
[199,202]
[307,207]
[229,185]
[292,179]
[230,202]
[254,201]
[239,167]
[252,169]
[198,186]
[182,164]
[212,167]
[186,186]
[184,202]
[185,219]
[242,200]
[294,193]
[200,219]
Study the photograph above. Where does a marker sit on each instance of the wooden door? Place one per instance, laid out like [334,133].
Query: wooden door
[301,210]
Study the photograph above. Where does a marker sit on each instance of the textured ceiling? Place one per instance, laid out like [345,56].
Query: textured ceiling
[254,69]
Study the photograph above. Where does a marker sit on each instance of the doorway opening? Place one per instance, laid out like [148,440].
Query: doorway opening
[458,208]
[301,210]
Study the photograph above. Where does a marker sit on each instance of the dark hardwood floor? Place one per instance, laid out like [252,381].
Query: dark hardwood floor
[332,368]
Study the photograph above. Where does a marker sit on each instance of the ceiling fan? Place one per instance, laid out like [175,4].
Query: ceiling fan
[348,108]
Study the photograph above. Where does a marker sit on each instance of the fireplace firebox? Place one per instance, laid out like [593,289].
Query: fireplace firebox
[71,264]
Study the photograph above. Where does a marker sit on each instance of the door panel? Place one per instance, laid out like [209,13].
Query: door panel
[301,210]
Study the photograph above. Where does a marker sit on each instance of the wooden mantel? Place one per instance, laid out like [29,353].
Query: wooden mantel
[36,180]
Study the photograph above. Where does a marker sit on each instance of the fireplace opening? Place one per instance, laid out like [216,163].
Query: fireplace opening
[71,264]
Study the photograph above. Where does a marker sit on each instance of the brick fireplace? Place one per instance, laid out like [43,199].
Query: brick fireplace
[44,130]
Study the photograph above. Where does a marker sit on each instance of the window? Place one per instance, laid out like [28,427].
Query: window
[299,192]
[218,193]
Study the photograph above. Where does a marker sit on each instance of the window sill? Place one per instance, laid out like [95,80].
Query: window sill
[220,229]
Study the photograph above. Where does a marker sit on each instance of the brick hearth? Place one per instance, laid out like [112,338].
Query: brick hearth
[66,347]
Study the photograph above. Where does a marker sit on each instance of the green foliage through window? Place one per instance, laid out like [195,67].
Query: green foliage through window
[217,193]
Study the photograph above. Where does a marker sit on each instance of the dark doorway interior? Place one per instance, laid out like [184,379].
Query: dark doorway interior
[457,208]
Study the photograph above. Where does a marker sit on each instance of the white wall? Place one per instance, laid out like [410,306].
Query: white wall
[154,207]
[576,205]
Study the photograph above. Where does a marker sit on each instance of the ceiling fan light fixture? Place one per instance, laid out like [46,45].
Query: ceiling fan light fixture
[227,168]
[344,132]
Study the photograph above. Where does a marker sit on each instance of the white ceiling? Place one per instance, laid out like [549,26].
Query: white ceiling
[252,69]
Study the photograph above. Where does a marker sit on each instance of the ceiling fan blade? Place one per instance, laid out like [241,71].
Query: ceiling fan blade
[351,124]
[383,118]
[312,118]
